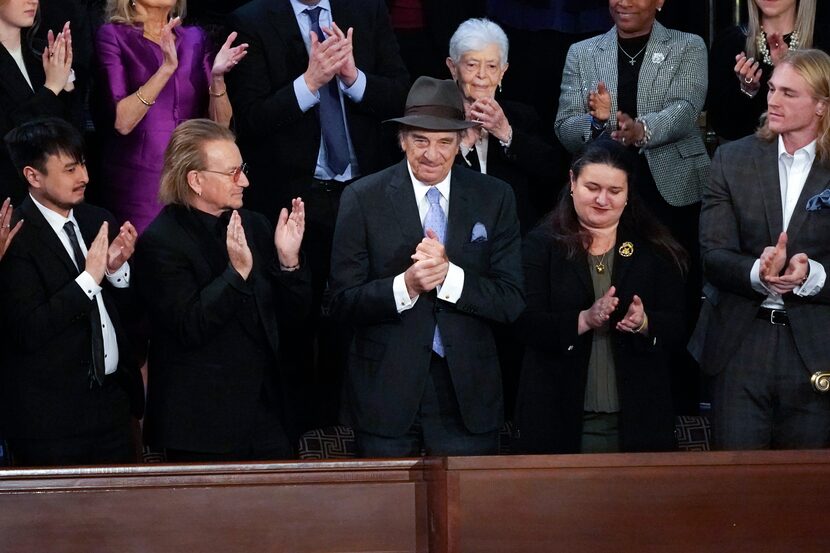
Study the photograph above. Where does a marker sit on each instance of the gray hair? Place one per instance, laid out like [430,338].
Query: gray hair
[477,34]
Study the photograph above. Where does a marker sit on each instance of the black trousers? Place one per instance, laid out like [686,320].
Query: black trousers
[438,428]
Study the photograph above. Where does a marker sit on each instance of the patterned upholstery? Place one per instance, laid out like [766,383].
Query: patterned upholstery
[331,442]
[693,433]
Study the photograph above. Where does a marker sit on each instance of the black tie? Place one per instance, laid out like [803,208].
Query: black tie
[331,115]
[98,368]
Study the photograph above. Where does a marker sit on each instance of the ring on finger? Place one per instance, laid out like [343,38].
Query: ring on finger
[748,80]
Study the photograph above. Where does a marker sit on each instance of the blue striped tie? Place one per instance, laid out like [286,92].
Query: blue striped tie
[437,221]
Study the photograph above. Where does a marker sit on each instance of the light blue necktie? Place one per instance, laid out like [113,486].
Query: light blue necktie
[331,114]
[436,220]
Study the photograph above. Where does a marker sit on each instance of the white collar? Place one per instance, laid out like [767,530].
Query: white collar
[421,189]
[299,7]
[55,219]
[809,150]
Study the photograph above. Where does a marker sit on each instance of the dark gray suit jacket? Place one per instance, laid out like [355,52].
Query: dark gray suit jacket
[741,215]
[378,228]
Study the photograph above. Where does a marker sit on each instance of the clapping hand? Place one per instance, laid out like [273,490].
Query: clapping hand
[228,56]
[599,103]
[749,73]
[6,231]
[773,261]
[167,41]
[635,318]
[629,131]
[288,236]
[599,313]
[239,254]
[348,69]
[96,256]
[57,60]
[430,266]
[488,112]
[122,247]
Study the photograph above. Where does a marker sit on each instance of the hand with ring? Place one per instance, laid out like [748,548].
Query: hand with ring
[749,72]
[599,313]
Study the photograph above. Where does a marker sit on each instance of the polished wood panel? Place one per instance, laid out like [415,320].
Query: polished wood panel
[359,506]
[667,503]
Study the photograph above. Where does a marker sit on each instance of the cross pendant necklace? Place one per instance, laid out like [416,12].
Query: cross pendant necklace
[631,59]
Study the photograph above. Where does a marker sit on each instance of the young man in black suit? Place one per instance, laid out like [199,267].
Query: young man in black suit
[425,257]
[67,374]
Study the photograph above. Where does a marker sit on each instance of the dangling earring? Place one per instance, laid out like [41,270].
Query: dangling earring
[499,87]
[132,4]
[572,192]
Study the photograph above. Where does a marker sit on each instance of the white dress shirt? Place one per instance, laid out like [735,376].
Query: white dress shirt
[453,284]
[792,174]
[119,279]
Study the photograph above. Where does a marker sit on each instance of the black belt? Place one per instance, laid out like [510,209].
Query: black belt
[777,317]
[329,185]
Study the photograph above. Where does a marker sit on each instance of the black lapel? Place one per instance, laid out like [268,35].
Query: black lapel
[32,217]
[583,271]
[817,181]
[12,79]
[401,197]
[765,157]
[460,219]
[284,22]
[626,243]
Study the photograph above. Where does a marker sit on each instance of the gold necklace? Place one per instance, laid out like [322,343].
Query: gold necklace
[599,264]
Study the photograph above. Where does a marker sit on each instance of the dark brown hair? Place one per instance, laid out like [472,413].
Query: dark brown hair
[574,238]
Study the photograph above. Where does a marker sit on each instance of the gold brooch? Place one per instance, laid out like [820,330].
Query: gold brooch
[627,249]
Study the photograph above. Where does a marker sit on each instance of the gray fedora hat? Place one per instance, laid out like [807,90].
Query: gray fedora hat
[435,105]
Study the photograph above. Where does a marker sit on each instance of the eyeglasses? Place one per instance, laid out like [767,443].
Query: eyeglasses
[234,174]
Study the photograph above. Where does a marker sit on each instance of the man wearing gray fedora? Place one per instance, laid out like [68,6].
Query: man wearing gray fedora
[425,256]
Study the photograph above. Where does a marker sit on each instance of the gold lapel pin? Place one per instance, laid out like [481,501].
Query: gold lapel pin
[626,249]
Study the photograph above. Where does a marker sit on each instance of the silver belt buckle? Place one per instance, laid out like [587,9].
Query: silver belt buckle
[772,316]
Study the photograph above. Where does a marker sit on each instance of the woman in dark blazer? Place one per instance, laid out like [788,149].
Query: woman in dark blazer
[604,292]
[36,82]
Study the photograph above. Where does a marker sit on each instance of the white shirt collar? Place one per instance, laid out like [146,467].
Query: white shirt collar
[421,189]
[299,7]
[809,150]
[55,220]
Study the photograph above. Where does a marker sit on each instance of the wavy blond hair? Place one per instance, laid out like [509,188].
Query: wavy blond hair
[805,21]
[814,67]
[123,11]
[185,153]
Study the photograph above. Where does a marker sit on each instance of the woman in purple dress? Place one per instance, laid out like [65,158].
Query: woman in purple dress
[153,75]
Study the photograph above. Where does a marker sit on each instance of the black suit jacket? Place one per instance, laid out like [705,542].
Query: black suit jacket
[378,228]
[18,104]
[211,330]
[551,397]
[277,139]
[741,214]
[47,334]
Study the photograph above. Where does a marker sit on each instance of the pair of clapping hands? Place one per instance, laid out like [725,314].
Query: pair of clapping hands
[331,57]
[629,130]
[57,60]
[780,274]
[635,320]
[288,237]
[429,267]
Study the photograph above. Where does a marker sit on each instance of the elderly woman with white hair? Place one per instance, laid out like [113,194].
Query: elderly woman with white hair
[510,143]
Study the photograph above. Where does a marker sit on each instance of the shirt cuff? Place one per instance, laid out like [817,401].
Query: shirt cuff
[814,282]
[88,285]
[453,284]
[755,280]
[121,277]
[358,88]
[402,300]
[306,99]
